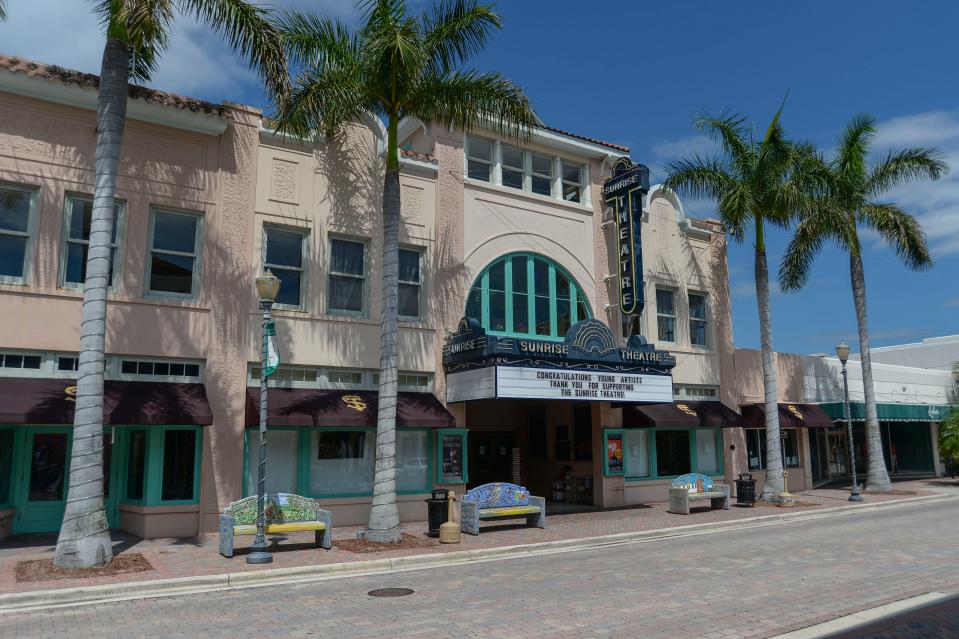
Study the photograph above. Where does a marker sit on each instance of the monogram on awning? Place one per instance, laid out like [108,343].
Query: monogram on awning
[343,408]
[686,414]
[791,415]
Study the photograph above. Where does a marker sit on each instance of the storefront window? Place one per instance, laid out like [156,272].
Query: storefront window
[412,460]
[672,452]
[282,452]
[707,462]
[342,462]
[790,439]
[6,464]
[452,464]
[48,464]
[756,448]
[179,465]
[636,453]
[136,464]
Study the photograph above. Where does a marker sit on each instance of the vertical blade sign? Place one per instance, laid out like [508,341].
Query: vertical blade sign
[623,192]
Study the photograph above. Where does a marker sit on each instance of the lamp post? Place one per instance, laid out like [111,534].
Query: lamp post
[267,288]
[842,352]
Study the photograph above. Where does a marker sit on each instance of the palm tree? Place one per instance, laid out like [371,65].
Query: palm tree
[949,432]
[396,65]
[849,200]
[137,32]
[3,10]
[757,182]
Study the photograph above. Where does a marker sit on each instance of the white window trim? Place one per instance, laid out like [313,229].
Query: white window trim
[492,162]
[30,234]
[705,320]
[118,220]
[421,297]
[659,314]
[563,181]
[197,258]
[366,279]
[304,254]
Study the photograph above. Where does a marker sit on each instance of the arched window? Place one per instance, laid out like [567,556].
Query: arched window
[526,295]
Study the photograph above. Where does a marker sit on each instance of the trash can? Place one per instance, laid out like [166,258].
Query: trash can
[437,511]
[746,490]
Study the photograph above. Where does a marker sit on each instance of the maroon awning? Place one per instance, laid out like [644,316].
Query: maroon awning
[790,416]
[681,413]
[346,408]
[25,400]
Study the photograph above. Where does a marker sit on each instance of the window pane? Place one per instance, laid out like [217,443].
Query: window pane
[177,370]
[636,455]
[282,449]
[346,257]
[474,302]
[672,452]
[541,185]
[171,273]
[76,259]
[14,210]
[144,368]
[520,281]
[48,463]
[697,307]
[179,464]
[136,460]
[541,277]
[341,462]
[409,266]
[174,232]
[572,192]
[346,294]
[409,300]
[128,368]
[582,308]
[513,158]
[520,313]
[13,361]
[497,276]
[542,310]
[697,332]
[289,286]
[513,179]
[706,452]
[664,302]
[542,164]
[161,368]
[31,361]
[667,330]
[756,448]
[81,218]
[6,464]
[478,170]
[572,172]
[13,251]
[563,321]
[497,310]
[790,448]
[284,247]
[412,467]
[480,149]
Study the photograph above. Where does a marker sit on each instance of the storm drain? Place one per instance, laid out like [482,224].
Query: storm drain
[390,592]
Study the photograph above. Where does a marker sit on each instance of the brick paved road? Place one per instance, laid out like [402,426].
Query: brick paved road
[749,583]
[938,621]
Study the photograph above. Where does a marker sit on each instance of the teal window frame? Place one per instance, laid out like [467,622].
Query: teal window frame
[153,464]
[438,453]
[251,438]
[6,501]
[651,446]
[576,295]
[123,435]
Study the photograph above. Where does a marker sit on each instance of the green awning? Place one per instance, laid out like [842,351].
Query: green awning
[891,412]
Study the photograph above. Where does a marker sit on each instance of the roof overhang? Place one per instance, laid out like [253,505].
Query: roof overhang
[86,98]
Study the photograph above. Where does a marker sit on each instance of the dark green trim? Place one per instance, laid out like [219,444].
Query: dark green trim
[890,412]
[6,501]
[438,453]
[651,451]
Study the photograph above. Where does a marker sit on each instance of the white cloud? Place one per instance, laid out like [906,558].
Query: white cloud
[921,129]
[686,147]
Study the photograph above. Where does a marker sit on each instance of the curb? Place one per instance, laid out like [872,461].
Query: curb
[65,597]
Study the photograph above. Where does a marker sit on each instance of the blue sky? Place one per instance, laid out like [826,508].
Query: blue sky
[637,73]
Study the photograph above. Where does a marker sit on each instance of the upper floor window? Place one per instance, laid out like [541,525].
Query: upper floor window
[347,277]
[20,360]
[479,158]
[572,181]
[136,369]
[695,392]
[283,255]
[78,220]
[514,167]
[529,295]
[541,177]
[410,284]
[697,320]
[666,315]
[174,245]
[16,212]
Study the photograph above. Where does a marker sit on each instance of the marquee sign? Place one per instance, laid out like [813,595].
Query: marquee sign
[623,192]
[586,366]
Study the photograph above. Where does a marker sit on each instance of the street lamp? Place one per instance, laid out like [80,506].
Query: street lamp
[267,288]
[842,352]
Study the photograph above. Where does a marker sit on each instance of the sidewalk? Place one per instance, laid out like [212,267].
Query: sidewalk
[172,558]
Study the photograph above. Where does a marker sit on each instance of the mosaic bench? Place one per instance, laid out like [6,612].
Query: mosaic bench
[500,501]
[282,513]
[694,487]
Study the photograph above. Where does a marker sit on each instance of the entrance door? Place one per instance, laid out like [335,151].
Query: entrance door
[43,483]
[838,451]
[491,457]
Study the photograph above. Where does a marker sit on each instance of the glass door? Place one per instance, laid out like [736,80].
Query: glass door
[43,487]
[838,455]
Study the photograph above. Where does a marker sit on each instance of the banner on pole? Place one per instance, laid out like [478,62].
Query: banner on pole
[272,354]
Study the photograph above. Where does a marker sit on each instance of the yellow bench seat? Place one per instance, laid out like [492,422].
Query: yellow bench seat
[296,526]
[509,511]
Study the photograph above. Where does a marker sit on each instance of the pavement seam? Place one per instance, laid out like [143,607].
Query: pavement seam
[125,591]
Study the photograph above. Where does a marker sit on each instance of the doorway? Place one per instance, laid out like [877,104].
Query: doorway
[490,457]
[838,455]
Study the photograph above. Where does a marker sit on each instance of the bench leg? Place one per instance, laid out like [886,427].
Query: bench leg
[469,517]
[678,501]
[538,520]
[226,536]
[324,537]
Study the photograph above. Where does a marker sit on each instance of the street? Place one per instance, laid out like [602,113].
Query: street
[757,582]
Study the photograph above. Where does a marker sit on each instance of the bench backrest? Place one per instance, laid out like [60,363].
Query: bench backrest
[498,495]
[694,483]
[278,508]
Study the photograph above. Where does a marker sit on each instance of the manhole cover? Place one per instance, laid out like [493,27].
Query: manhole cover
[390,592]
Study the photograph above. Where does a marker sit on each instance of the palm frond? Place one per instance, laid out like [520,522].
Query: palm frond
[144,26]
[312,40]
[249,31]
[455,30]
[899,229]
[855,142]
[907,165]
[393,50]
[800,254]
[467,99]
[3,10]
[730,130]
[321,101]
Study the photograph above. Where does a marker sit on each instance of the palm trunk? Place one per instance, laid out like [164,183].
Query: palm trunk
[773,484]
[85,535]
[384,525]
[876,476]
